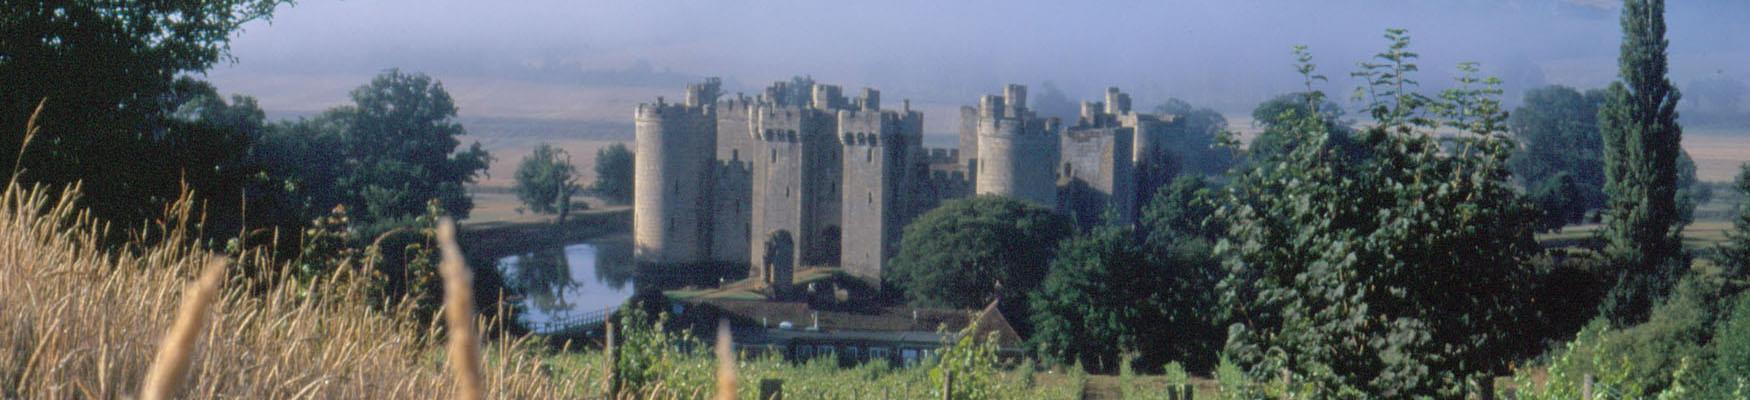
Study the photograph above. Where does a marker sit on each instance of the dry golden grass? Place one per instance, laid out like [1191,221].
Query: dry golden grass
[171,364]
[464,346]
[81,320]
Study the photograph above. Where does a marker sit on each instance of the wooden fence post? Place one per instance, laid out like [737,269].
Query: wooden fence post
[1586,387]
[947,385]
[611,361]
[771,389]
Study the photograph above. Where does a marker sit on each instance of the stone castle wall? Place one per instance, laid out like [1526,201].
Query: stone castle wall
[1016,152]
[672,182]
[837,179]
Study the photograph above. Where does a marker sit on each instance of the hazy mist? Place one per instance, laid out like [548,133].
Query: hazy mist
[594,60]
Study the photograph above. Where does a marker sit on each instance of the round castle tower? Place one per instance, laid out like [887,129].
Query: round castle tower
[671,182]
[1017,152]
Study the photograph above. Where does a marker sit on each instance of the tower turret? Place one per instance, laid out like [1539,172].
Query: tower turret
[1017,152]
[676,145]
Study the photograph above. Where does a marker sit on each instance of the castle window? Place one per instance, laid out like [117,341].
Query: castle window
[734,154]
[677,187]
[1067,170]
[871,197]
[869,155]
[774,156]
[786,192]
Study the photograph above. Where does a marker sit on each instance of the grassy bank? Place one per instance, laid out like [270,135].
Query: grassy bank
[81,320]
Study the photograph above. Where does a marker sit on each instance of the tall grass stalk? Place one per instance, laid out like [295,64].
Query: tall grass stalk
[80,318]
[459,314]
[171,364]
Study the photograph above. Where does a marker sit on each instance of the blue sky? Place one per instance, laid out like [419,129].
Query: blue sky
[1227,54]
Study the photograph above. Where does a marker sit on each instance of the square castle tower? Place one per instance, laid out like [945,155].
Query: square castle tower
[782,180]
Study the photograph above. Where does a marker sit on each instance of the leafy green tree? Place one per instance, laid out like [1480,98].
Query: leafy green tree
[1099,301]
[1561,199]
[1399,272]
[1645,360]
[1643,234]
[1178,231]
[613,171]
[1280,114]
[401,147]
[1109,294]
[1729,376]
[1561,148]
[111,78]
[970,251]
[306,157]
[1557,129]
[1182,211]
[545,181]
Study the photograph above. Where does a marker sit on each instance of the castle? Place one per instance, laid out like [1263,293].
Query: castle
[781,179]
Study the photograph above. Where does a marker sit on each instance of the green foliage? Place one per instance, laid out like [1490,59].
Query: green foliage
[1393,268]
[1192,144]
[384,156]
[401,145]
[1100,300]
[1110,289]
[1729,374]
[113,82]
[645,351]
[1175,374]
[1278,115]
[1561,199]
[545,181]
[613,170]
[1643,232]
[1182,211]
[1235,385]
[406,261]
[669,365]
[1642,360]
[1557,128]
[1561,160]
[327,246]
[971,361]
[1389,90]
[969,251]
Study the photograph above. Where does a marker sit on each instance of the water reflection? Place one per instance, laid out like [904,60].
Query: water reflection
[578,278]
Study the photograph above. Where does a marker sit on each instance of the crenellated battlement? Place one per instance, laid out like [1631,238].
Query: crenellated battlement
[720,176]
[738,104]
[1021,127]
[665,110]
[941,156]
[704,93]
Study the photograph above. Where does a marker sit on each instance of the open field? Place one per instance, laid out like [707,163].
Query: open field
[507,152]
[1717,152]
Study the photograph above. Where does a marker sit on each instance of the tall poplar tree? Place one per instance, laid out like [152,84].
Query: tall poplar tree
[1641,136]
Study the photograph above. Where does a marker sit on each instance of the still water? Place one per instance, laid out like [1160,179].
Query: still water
[578,278]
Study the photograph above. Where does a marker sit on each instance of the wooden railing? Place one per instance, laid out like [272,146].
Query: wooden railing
[575,323]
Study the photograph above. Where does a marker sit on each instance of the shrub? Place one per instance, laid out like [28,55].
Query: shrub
[971,361]
[1729,375]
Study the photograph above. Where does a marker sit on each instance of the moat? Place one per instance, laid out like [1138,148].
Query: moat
[555,283]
